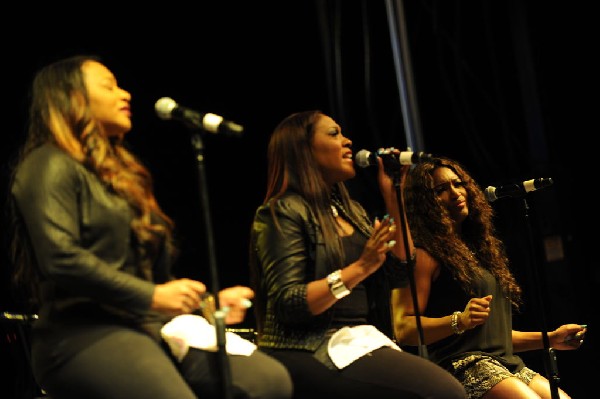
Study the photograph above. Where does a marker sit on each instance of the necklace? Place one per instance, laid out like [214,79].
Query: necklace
[337,207]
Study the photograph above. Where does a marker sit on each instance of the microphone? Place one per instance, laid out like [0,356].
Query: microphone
[366,158]
[167,108]
[516,190]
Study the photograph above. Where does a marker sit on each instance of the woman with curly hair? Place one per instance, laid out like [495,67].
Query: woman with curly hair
[465,289]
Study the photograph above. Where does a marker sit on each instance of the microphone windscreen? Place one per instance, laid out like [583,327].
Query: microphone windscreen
[164,107]
[490,193]
[362,158]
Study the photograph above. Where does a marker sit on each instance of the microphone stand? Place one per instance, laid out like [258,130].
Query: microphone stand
[219,315]
[395,174]
[550,361]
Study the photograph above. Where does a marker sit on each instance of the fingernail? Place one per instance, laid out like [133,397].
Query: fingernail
[391,243]
[247,303]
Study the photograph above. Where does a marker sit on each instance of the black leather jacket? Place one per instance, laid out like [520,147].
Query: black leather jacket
[82,240]
[287,260]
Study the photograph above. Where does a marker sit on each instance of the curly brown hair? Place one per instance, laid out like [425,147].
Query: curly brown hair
[432,228]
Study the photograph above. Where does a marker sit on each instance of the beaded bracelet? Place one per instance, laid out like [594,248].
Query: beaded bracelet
[454,323]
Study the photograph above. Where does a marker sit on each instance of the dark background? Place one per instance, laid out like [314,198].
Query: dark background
[508,88]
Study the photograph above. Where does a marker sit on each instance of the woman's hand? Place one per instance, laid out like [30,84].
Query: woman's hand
[567,336]
[378,245]
[390,170]
[235,301]
[178,297]
[476,312]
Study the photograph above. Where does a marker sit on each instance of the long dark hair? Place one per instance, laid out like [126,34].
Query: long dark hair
[59,113]
[476,246]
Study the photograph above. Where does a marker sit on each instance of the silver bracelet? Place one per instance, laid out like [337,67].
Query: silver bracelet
[336,285]
[454,323]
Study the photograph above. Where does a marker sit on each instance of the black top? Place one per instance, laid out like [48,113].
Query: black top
[353,309]
[494,337]
[290,254]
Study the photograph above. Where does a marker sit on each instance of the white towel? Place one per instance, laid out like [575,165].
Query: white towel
[351,343]
[186,331]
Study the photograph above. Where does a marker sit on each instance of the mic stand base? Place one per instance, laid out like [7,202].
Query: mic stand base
[226,383]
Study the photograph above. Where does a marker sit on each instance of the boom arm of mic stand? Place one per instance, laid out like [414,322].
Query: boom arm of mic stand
[411,267]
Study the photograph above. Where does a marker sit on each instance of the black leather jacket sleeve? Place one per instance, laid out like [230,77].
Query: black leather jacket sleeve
[80,233]
[286,248]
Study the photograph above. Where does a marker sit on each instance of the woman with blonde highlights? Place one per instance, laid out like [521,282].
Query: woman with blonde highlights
[95,250]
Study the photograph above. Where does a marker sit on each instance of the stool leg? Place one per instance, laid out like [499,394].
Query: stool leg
[19,329]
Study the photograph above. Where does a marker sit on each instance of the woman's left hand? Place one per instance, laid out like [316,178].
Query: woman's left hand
[567,336]
[388,173]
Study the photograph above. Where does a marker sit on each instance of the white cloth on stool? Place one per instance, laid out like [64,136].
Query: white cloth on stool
[350,343]
[188,330]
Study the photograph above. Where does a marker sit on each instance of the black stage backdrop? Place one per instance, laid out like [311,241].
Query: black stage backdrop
[504,87]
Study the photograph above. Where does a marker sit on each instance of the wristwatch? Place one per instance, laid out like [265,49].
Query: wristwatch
[336,285]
